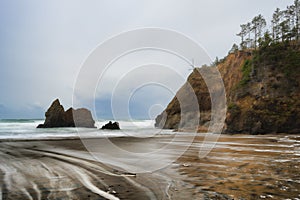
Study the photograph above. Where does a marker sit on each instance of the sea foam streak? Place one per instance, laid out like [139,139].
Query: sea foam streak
[35,173]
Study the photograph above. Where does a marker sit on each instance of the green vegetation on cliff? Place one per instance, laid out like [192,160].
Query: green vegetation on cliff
[284,55]
[246,69]
[267,97]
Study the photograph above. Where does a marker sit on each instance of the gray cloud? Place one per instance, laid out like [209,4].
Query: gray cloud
[44,43]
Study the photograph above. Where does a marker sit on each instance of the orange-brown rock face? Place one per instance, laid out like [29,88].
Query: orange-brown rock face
[262,90]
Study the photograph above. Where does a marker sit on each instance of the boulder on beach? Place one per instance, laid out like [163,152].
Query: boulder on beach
[111,126]
[56,116]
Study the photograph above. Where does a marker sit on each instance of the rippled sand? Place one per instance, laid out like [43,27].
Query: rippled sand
[243,167]
[238,167]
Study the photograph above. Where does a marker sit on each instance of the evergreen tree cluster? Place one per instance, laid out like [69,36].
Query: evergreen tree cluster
[285,26]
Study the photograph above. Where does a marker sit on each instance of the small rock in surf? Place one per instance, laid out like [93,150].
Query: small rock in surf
[111,126]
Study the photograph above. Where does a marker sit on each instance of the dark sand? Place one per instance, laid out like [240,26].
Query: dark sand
[239,167]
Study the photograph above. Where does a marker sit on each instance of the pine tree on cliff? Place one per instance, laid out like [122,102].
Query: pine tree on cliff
[243,34]
[275,25]
[249,40]
[289,15]
[284,27]
[258,24]
[297,18]
[245,31]
[292,17]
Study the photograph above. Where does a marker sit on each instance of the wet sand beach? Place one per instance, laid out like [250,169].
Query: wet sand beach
[238,167]
[61,169]
[243,167]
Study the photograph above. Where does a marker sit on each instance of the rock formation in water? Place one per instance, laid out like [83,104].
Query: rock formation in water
[111,126]
[56,116]
[262,90]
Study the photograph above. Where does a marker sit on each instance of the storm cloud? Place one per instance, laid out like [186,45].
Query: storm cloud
[45,43]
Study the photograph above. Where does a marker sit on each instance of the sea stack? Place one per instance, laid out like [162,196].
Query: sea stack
[56,116]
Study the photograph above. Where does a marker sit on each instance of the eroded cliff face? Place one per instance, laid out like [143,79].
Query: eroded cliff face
[262,90]
[173,118]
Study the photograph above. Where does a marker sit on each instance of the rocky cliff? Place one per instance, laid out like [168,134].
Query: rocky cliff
[262,90]
[56,116]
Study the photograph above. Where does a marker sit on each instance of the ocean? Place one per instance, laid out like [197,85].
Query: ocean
[25,129]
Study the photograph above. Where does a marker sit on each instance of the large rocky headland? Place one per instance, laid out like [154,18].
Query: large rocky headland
[262,89]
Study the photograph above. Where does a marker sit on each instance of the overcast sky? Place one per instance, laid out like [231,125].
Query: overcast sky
[44,43]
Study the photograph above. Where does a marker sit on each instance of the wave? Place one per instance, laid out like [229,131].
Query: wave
[25,129]
[19,120]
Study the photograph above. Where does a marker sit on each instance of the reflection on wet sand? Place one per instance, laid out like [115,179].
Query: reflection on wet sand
[239,167]
[244,167]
